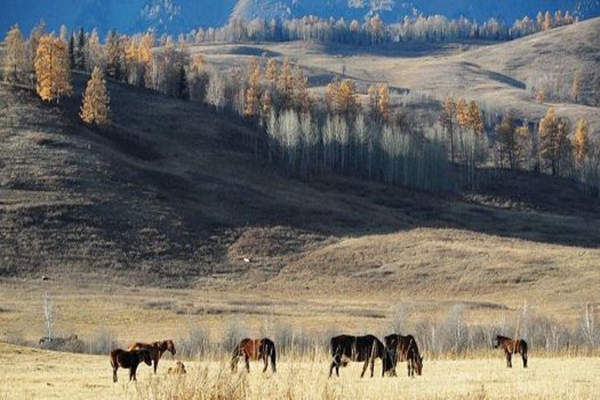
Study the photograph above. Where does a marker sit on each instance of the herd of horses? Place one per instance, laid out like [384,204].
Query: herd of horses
[344,349]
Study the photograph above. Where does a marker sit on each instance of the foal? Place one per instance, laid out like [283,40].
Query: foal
[156,349]
[128,360]
[510,347]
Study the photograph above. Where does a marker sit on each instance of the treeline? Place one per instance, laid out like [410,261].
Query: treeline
[372,31]
[351,133]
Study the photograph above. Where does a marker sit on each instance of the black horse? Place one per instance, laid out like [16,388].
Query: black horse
[346,348]
[404,348]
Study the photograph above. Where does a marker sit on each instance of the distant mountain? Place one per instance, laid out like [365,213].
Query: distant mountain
[175,16]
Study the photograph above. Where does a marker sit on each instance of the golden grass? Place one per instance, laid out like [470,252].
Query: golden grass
[33,374]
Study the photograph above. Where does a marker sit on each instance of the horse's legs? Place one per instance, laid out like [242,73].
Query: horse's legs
[155,364]
[247,359]
[508,359]
[524,356]
[115,374]
[335,363]
[373,366]
[266,361]
[132,372]
[365,367]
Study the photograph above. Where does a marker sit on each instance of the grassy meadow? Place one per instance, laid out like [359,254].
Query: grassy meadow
[35,374]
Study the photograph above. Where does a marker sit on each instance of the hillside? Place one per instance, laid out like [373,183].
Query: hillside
[171,196]
[497,75]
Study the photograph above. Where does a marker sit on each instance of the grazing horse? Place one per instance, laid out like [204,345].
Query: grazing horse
[128,360]
[178,369]
[255,349]
[156,349]
[404,348]
[346,348]
[510,347]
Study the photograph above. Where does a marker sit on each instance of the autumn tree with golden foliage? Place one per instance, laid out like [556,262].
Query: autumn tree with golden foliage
[301,98]
[385,108]
[506,142]
[554,133]
[95,108]
[52,69]
[547,21]
[540,96]
[252,97]
[447,118]
[145,58]
[285,84]
[581,141]
[14,56]
[271,73]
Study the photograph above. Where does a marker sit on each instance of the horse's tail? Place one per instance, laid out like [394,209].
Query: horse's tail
[273,358]
[524,352]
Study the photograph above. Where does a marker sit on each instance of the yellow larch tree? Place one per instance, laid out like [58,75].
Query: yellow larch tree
[385,108]
[14,56]
[547,21]
[271,73]
[285,84]
[52,68]
[580,141]
[95,108]
[302,98]
[251,100]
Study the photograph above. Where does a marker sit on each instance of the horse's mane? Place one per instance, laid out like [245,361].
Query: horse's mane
[500,337]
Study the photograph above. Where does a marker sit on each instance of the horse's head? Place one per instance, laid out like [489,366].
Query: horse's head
[145,356]
[171,347]
[419,365]
[388,359]
[496,344]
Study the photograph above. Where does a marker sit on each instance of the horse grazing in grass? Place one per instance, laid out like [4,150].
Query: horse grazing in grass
[346,348]
[510,347]
[156,349]
[404,348]
[128,360]
[255,349]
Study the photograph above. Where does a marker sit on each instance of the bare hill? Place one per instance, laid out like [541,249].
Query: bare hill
[171,195]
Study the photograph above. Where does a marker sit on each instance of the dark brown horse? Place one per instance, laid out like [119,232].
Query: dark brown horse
[346,348]
[404,348]
[128,360]
[156,349]
[510,347]
[255,349]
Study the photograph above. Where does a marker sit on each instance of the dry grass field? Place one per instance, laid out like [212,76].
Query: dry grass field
[37,374]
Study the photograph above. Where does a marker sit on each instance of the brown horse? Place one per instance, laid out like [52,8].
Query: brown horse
[128,360]
[510,347]
[255,349]
[156,349]
[404,348]
[346,348]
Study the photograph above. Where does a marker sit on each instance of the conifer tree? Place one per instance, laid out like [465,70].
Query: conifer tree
[553,139]
[64,33]
[14,57]
[52,69]
[302,98]
[271,73]
[80,49]
[32,44]
[285,84]
[95,108]
[373,95]
[507,141]
[145,58]
[447,118]
[72,51]
[94,54]
[385,108]
[114,55]
[252,103]
[540,20]
[547,21]
[581,141]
